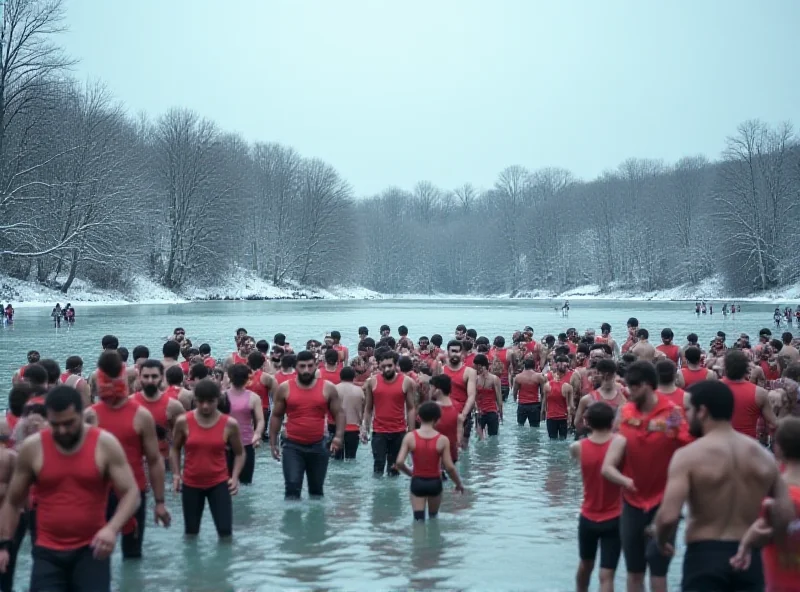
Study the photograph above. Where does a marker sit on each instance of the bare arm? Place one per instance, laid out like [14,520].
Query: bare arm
[235,442]
[258,412]
[443,446]
[612,461]
[276,416]
[582,405]
[410,390]
[567,392]
[762,398]
[336,410]
[17,490]
[498,393]
[405,447]
[155,465]
[85,392]
[514,388]
[121,476]
[7,463]
[472,391]
[575,451]
[366,422]
[675,495]
[178,440]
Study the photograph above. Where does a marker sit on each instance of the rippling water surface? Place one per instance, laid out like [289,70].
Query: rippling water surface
[514,529]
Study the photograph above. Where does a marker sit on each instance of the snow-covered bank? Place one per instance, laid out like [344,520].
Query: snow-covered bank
[244,285]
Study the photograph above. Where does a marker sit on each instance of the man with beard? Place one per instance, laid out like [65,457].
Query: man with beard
[73,467]
[164,409]
[305,401]
[363,364]
[461,332]
[462,386]
[391,398]
[723,476]
[651,429]
[135,429]
[246,345]
[609,391]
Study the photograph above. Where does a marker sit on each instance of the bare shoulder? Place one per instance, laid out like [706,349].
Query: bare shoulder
[108,443]
[30,447]
[180,421]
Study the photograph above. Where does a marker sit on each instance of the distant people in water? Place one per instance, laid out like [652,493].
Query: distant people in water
[56,315]
[8,314]
[565,308]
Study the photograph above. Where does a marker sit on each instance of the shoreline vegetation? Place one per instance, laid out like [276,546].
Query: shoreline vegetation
[245,286]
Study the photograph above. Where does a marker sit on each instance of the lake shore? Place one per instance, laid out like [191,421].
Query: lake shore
[245,286]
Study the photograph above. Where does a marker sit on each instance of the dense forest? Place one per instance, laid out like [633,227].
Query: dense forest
[89,191]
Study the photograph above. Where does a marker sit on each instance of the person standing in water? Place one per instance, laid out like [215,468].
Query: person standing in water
[205,433]
[430,451]
[602,503]
[723,476]
[245,408]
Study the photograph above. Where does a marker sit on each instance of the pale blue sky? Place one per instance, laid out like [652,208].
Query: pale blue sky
[449,91]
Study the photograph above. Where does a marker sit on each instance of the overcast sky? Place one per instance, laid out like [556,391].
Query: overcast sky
[450,91]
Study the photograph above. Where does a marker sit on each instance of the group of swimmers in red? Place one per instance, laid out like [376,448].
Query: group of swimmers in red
[656,427]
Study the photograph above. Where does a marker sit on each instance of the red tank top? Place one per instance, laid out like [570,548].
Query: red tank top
[502,355]
[119,422]
[469,360]
[389,403]
[204,464]
[486,399]
[71,495]
[671,351]
[237,359]
[64,376]
[427,462]
[782,564]
[691,377]
[617,401]
[209,363]
[458,390]
[602,500]
[556,403]
[172,391]
[448,426]
[255,385]
[528,393]
[158,409]
[746,411]
[770,372]
[676,397]
[305,413]
[282,377]
[330,376]
[11,420]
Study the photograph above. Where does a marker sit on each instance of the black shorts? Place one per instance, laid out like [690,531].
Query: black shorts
[606,533]
[707,568]
[77,569]
[426,487]
[641,551]
[504,390]
[489,422]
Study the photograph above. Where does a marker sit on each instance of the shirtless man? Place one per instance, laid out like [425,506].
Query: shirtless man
[723,476]
[643,349]
[788,349]
[170,350]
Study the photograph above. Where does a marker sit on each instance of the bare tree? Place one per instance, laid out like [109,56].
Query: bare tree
[466,196]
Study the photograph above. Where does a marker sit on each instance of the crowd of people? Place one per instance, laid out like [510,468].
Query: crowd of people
[656,427]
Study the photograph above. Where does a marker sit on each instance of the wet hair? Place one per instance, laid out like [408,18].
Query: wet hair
[441,382]
[736,364]
[331,356]
[405,364]
[787,338]
[692,338]
[562,360]
[109,342]
[599,415]
[110,363]
[461,328]
[363,330]
[239,374]
[347,374]
[206,390]
[204,349]
[692,354]
[255,360]
[467,345]
[667,334]
[18,396]
[262,345]
[633,322]
[602,346]
[141,351]
[787,436]
[402,330]
[641,372]
[437,340]
[765,333]
[499,341]
[36,376]
[388,355]
[303,356]
[52,368]
[369,342]
[481,360]
[335,335]
[198,371]
[776,344]
[605,327]
[472,334]
[429,412]
[171,349]
[123,353]
[174,375]
[33,356]
[714,395]
[528,364]
[643,334]
[721,335]
[584,348]
[62,398]
[385,328]
[241,330]
[606,366]
[666,370]
[562,336]
[562,350]
[158,365]
[279,339]
[455,343]
[289,361]
[389,342]
[549,340]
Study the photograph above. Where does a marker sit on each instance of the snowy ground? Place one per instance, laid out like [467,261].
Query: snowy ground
[244,285]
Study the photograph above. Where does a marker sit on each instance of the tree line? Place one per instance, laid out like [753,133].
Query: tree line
[87,190]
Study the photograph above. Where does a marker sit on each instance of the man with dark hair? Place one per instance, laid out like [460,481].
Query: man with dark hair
[651,429]
[528,390]
[170,351]
[462,380]
[109,342]
[633,327]
[73,467]
[609,392]
[788,350]
[723,476]
[751,402]
[666,371]
[72,378]
[352,401]
[164,408]
[36,375]
[344,353]
[33,357]
[385,331]
[643,349]
[389,412]
[670,350]
[692,371]
[461,332]
[53,371]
